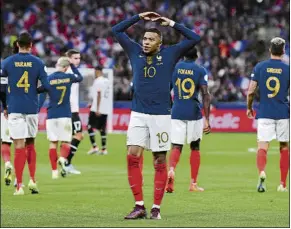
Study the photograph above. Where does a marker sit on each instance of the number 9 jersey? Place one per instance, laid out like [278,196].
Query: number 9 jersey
[23,71]
[187,79]
[273,78]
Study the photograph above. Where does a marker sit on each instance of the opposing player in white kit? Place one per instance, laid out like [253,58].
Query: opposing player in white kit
[150,121]
[187,122]
[272,77]
[99,111]
[75,58]
[59,123]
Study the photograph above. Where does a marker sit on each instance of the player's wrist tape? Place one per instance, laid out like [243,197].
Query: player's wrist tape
[172,23]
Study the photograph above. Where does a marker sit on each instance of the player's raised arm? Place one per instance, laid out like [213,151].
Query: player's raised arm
[119,29]
[251,93]
[77,76]
[192,38]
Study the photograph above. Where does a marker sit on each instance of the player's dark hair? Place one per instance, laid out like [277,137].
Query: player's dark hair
[15,48]
[98,68]
[24,40]
[277,46]
[71,52]
[191,54]
[155,30]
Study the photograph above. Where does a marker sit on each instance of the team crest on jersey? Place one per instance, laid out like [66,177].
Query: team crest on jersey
[149,59]
[159,58]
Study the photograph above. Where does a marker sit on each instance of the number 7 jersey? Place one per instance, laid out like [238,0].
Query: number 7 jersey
[23,71]
[273,78]
[187,79]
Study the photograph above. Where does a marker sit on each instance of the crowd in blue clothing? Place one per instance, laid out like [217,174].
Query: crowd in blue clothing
[235,35]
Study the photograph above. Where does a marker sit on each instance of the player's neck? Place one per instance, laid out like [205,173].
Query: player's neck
[152,53]
[24,50]
[276,57]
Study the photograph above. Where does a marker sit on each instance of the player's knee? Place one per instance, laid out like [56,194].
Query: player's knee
[6,143]
[53,145]
[29,141]
[195,145]
[19,143]
[79,136]
[135,150]
[178,147]
[102,132]
[160,157]
[284,145]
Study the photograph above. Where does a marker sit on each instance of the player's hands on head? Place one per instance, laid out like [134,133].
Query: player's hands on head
[250,113]
[206,128]
[162,20]
[149,16]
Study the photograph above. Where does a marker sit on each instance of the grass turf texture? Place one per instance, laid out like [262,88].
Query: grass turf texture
[101,197]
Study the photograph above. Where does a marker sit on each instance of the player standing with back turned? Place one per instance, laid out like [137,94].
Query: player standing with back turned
[188,79]
[23,71]
[272,77]
[150,121]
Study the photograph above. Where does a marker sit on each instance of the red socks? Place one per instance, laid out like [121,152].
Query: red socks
[284,165]
[53,158]
[19,163]
[174,157]
[31,160]
[261,159]
[161,177]
[5,150]
[195,164]
[135,176]
[65,150]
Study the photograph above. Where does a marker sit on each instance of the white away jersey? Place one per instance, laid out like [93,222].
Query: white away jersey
[74,97]
[101,84]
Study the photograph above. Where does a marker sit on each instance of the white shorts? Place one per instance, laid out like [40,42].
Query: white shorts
[59,129]
[269,129]
[192,129]
[5,136]
[149,131]
[22,126]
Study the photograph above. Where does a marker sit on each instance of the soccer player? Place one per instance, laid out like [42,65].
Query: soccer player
[59,122]
[5,136]
[150,121]
[187,122]
[272,79]
[99,111]
[23,71]
[75,58]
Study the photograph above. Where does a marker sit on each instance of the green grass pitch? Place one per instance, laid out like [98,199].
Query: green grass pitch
[100,196]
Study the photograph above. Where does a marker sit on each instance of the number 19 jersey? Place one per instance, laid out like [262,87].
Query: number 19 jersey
[23,71]
[273,78]
[187,80]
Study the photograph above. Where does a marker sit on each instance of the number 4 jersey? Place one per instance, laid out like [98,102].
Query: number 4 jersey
[101,84]
[187,80]
[23,71]
[273,78]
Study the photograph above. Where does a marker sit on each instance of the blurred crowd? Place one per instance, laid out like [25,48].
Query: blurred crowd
[235,34]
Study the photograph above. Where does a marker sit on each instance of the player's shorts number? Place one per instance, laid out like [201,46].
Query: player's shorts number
[189,91]
[77,126]
[23,82]
[63,89]
[163,137]
[149,71]
[275,89]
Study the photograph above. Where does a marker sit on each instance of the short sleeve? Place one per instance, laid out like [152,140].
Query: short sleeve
[204,77]
[255,74]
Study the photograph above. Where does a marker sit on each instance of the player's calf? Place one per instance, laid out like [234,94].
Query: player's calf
[195,165]
[284,164]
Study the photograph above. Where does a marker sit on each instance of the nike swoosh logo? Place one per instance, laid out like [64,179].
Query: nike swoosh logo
[141,56]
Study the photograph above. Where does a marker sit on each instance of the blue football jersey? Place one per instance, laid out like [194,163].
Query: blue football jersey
[273,78]
[152,74]
[23,71]
[59,94]
[187,80]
